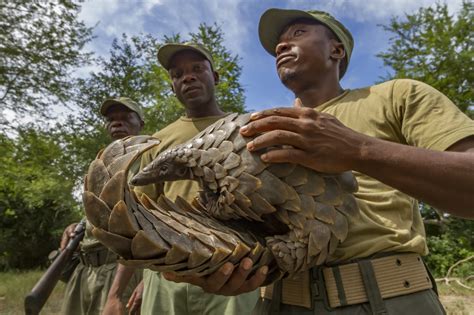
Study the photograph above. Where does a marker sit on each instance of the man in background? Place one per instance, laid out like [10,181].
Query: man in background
[193,75]
[89,285]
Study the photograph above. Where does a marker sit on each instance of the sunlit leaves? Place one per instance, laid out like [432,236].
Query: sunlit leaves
[437,48]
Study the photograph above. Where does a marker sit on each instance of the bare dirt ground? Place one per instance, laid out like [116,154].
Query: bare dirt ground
[456,300]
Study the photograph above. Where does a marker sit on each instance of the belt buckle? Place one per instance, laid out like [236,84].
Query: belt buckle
[318,288]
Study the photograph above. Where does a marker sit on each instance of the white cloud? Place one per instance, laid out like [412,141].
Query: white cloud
[93,12]
[117,16]
[372,10]
[164,17]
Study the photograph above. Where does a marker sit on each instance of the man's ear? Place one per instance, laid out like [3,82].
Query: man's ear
[337,51]
[216,77]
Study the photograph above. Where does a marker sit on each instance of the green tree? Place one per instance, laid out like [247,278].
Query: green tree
[42,169]
[41,42]
[436,48]
[132,70]
[36,197]
[126,72]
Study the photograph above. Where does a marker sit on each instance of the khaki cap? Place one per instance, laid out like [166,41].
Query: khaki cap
[273,21]
[167,51]
[124,101]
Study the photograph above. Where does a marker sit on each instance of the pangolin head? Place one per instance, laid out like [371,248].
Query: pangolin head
[168,166]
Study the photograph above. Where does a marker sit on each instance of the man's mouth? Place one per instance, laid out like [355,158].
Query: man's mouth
[191,89]
[119,133]
[284,59]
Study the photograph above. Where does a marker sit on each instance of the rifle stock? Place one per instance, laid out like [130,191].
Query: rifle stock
[36,299]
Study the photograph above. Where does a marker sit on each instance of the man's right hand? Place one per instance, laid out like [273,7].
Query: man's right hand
[228,280]
[67,235]
[135,302]
[113,306]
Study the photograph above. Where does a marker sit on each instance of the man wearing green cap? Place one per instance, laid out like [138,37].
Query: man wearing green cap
[403,140]
[194,77]
[88,287]
[392,136]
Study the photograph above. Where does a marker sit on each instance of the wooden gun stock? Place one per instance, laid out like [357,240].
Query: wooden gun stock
[36,299]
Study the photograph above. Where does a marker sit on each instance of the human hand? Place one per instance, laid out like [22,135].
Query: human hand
[113,306]
[316,140]
[67,235]
[135,302]
[227,280]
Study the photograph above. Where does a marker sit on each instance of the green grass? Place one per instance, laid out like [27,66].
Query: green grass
[15,285]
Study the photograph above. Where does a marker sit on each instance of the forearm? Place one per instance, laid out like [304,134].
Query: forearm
[445,180]
[321,142]
[121,280]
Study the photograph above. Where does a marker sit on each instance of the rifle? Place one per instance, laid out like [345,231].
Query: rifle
[36,299]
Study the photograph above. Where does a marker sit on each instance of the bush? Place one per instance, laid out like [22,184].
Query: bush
[36,200]
[445,252]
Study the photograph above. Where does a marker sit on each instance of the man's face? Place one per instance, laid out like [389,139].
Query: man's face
[303,53]
[192,78]
[122,122]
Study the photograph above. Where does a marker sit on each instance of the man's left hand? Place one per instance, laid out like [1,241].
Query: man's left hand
[316,140]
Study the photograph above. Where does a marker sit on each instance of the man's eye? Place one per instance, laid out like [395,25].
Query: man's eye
[298,33]
[176,74]
[197,68]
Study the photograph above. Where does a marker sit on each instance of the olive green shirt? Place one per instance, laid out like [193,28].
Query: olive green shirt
[402,111]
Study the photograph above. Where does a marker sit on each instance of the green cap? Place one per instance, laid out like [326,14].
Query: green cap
[273,22]
[124,101]
[167,51]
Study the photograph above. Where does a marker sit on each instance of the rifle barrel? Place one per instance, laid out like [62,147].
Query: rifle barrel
[40,293]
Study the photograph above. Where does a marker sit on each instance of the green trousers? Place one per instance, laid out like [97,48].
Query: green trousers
[165,297]
[87,290]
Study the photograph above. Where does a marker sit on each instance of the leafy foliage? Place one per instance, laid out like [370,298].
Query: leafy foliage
[42,169]
[132,70]
[450,239]
[436,48]
[36,199]
[445,252]
[125,73]
[40,43]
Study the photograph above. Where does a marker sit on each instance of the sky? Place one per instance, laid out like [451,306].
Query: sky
[238,20]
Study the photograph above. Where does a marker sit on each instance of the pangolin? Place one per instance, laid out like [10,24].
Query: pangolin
[281,215]
[301,214]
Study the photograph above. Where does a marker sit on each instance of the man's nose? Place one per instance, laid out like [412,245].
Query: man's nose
[189,77]
[281,47]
